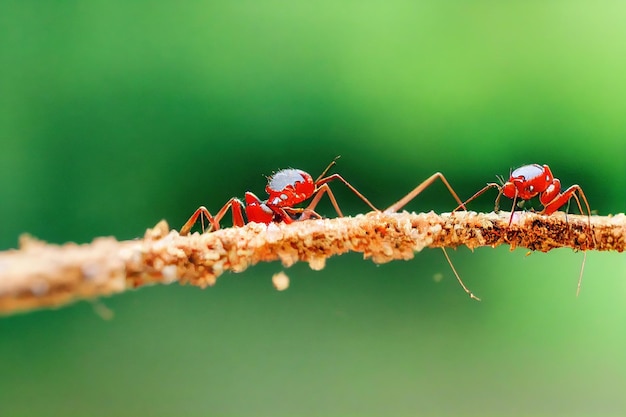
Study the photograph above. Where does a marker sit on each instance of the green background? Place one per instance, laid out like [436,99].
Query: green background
[115,115]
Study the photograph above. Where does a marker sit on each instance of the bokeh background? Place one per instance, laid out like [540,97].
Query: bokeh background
[114,115]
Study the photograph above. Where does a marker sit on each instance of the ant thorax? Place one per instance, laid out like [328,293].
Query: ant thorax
[528,172]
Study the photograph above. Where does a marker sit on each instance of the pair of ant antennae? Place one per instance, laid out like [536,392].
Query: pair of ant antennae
[289,187]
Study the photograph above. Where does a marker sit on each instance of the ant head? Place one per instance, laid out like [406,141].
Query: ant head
[289,187]
[509,189]
[530,180]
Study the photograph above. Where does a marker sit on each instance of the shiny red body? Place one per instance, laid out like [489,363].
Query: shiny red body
[530,181]
[534,180]
[285,189]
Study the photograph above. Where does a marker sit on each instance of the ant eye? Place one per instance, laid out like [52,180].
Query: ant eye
[531,188]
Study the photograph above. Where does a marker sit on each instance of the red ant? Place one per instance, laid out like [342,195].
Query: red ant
[285,189]
[414,193]
[534,180]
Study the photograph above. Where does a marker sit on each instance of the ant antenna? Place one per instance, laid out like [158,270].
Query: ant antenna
[332,163]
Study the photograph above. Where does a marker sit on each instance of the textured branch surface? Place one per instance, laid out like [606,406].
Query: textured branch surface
[43,275]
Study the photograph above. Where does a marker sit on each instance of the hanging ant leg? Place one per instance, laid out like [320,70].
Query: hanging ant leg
[580,277]
[421,187]
[458,278]
[238,221]
[322,181]
[414,193]
[558,202]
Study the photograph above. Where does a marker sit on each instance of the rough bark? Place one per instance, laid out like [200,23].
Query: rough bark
[45,275]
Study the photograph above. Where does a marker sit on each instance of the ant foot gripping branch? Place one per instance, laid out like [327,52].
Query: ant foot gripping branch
[44,275]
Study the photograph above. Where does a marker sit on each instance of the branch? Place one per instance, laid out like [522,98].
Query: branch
[44,275]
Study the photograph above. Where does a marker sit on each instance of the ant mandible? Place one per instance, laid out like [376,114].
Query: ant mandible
[285,189]
[534,180]
[398,205]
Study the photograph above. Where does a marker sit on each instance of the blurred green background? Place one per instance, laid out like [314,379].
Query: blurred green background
[115,115]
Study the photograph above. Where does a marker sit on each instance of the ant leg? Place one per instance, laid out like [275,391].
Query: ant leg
[414,193]
[458,278]
[564,197]
[305,213]
[286,213]
[512,207]
[558,202]
[318,195]
[236,205]
[481,192]
[580,277]
[201,211]
[421,187]
[582,267]
[325,180]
